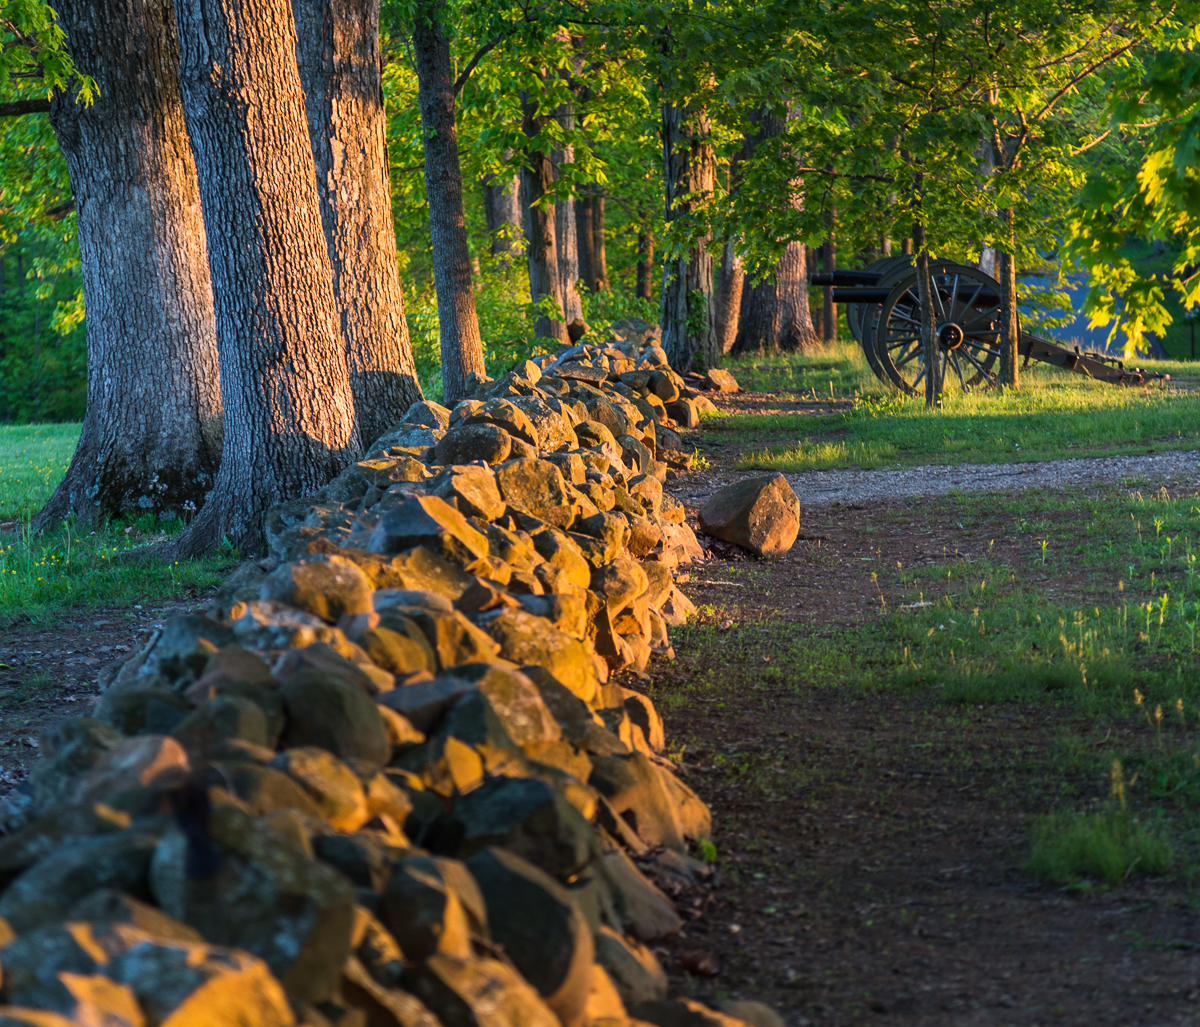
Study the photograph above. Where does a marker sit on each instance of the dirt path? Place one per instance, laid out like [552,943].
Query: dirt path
[872,841]
[49,672]
[848,487]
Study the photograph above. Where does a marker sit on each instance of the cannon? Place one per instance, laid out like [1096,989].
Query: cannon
[883,310]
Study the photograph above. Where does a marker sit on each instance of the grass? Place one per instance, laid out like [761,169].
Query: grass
[1082,604]
[33,457]
[1054,415]
[71,567]
[1112,846]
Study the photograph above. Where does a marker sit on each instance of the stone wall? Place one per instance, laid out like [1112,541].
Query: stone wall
[388,778]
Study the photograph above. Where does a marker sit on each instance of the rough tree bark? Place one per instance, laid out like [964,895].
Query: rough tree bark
[599,257]
[729,296]
[151,438]
[565,233]
[502,211]
[339,61]
[1010,325]
[795,331]
[689,173]
[774,312]
[289,412]
[462,347]
[537,178]
[586,235]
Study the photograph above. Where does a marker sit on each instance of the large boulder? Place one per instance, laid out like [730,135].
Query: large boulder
[337,716]
[262,895]
[536,487]
[470,442]
[122,975]
[761,514]
[430,522]
[327,588]
[477,993]
[537,921]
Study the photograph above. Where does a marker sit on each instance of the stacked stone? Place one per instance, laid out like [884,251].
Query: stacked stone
[388,779]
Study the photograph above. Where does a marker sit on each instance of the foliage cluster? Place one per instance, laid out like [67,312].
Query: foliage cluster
[979,120]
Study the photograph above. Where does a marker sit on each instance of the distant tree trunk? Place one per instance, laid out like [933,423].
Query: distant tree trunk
[929,343]
[816,306]
[829,252]
[565,233]
[289,412]
[757,322]
[502,211]
[599,257]
[689,171]
[644,284]
[795,328]
[151,438]
[729,296]
[1010,326]
[885,245]
[537,178]
[461,346]
[339,62]
[585,231]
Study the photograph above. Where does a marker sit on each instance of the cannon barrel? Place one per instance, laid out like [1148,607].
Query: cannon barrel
[844,277]
[860,295]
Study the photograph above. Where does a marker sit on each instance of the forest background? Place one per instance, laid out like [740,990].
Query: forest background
[832,126]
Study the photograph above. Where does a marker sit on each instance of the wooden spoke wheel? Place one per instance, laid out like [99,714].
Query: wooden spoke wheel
[967,315]
[862,317]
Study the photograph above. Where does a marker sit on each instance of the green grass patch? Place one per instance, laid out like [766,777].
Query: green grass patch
[1113,846]
[33,457]
[1052,416]
[821,456]
[70,566]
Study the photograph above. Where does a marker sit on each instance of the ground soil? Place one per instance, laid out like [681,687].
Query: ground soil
[872,843]
[49,671]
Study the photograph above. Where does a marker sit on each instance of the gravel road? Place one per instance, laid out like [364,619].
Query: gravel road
[824,488]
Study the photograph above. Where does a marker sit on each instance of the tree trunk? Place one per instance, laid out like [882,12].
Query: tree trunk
[537,177]
[689,171]
[151,438]
[756,321]
[458,324]
[600,258]
[794,330]
[339,61]
[816,306]
[829,253]
[585,232]
[1010,326]
[929,342]
[565,234]
[502,211]
[729,296]
[289,412]
[643,284]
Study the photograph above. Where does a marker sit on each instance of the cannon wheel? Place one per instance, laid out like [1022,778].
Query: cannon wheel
[862,317]
[968,316]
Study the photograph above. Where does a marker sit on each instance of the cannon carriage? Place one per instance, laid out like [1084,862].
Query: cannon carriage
[883,309]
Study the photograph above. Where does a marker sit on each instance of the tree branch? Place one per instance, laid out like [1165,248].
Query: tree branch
[18,108]
[491,44]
